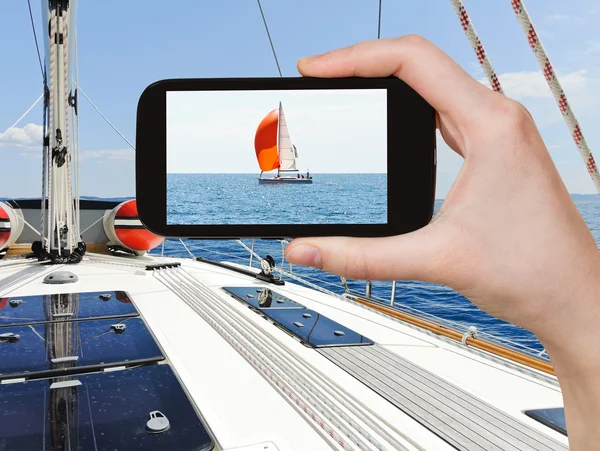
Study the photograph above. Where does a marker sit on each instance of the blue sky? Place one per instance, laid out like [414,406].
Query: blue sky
[124,46]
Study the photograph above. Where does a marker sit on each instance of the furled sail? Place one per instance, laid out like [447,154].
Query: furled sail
[287,162]
[265,142]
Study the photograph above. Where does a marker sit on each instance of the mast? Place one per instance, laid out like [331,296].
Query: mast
[60,234]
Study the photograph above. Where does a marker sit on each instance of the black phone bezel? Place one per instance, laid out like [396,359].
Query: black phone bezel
[410,177]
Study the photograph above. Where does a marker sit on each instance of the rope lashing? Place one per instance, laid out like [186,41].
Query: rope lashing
[471,332]
[482,57]
[557,91]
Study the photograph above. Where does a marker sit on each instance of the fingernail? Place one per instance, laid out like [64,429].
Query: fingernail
[305,255]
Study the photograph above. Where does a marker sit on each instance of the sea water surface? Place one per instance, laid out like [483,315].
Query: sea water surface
[432,299]
[241,199]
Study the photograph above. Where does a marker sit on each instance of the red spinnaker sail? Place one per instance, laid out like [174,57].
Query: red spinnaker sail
[265,142]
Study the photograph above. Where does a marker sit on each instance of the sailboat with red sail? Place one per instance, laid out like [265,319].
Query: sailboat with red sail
[274,150]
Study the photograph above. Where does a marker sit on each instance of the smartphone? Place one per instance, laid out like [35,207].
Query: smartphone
[284,157]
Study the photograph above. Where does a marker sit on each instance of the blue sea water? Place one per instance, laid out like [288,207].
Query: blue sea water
[432,299]
[240,199]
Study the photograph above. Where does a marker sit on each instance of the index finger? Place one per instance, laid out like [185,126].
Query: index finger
[445,85]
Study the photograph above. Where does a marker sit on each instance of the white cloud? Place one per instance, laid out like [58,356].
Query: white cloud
[533,84]
[126,154]
[593,47]
[27,137]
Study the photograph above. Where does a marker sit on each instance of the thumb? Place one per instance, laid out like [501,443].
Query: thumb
[413,256]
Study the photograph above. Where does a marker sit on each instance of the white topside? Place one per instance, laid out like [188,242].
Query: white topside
[238,404]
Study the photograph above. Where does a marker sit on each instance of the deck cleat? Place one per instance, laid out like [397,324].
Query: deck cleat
[118,328]
[158,423]
[15,302]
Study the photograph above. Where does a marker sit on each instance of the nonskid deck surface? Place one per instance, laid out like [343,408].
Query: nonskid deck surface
[228,388]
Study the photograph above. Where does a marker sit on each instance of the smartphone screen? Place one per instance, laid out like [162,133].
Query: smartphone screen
[220,158]
[277,157]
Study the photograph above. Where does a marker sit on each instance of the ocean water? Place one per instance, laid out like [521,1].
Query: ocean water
[437,300]
[240,199]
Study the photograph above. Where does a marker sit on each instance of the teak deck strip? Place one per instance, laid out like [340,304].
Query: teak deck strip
[453,414]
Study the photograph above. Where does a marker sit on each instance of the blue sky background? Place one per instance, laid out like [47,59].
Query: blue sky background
[126,45]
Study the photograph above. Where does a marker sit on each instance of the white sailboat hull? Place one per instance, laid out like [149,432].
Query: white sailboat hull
[280,179]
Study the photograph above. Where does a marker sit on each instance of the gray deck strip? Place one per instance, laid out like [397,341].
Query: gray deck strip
[456,416]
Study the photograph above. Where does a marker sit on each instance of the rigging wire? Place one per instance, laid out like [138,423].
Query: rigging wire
[21,118]
[270,40]
[37,47]
[379,22]
[104,117]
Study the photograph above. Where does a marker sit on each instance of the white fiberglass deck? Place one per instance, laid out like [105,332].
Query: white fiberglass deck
[242,406]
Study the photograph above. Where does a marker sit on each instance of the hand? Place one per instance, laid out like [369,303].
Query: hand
[508,236]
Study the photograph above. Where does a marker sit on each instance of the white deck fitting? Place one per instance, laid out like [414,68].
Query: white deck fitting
[238,404]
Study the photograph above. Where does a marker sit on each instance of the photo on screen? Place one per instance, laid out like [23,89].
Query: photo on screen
[277,157]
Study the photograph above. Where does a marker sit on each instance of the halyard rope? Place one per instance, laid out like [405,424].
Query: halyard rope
[482,57]
[546,67]
[557,91]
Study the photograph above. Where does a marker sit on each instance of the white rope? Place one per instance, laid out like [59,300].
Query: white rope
[470,333]
[22,116]
[75,111]
[52,63]
[557,91]
[221,324]
[299,373]
[68,196]
[104,117]
[478,48]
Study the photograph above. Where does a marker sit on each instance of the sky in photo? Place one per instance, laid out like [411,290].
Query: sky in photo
[125,46]
[334,131]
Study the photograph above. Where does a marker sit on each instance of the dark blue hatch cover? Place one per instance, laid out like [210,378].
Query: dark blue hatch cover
[69,345]
[64,307]
[262,297]
[315,329]
[143,408]
[552,417]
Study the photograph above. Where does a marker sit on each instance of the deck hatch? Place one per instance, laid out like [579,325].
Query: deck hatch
[64,307]
[316,329]
[553,418]
[262,298]
[103,411]
[76,345]
[307,325]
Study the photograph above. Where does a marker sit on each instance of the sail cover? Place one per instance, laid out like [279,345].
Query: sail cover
[287,162]
[265,142]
